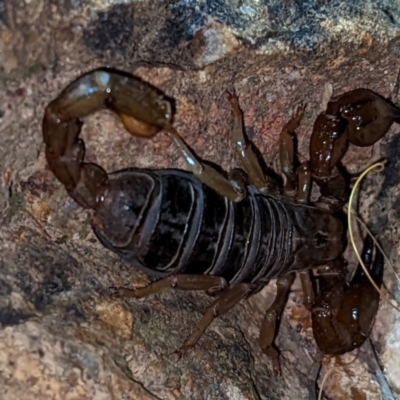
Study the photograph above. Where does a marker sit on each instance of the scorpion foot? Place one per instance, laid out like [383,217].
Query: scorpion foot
[118,292]
[180,352]
[294,122]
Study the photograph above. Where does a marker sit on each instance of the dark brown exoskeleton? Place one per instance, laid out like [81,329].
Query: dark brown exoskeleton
[201,230]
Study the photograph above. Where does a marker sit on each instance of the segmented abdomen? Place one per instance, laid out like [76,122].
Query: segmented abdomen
[170,223]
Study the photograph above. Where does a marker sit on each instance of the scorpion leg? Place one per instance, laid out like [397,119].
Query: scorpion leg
[244,148]
[206,173]
[334,191]
[308,289]
[182,282]
[286,152]
[269,327]
[227,300]
[303,183]
[343,313]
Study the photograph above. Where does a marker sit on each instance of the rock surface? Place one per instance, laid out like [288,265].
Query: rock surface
[62,337]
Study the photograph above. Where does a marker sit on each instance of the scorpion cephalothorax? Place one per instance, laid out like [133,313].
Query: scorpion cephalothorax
[201,230]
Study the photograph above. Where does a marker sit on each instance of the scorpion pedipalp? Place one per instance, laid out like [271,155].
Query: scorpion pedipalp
[359,117]
[343,313]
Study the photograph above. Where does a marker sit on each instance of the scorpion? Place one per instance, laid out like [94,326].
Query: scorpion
[228,234]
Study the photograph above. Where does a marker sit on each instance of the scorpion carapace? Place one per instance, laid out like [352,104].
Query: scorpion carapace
[202,230]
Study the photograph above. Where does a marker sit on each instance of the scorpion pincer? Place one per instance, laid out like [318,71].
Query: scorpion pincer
[229,234]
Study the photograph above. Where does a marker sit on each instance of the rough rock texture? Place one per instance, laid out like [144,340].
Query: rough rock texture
[62,336]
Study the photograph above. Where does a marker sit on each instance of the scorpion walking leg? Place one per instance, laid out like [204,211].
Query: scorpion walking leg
[303,183]
[308,289]
[286,152]
[248,157]
[206,173]
[302,197]
[228,299]
[182,282]
[334,191]
[269,327]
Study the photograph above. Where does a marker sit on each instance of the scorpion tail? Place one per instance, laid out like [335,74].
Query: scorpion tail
[143,110]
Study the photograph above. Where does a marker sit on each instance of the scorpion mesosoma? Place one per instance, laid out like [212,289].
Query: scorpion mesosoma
[228,234]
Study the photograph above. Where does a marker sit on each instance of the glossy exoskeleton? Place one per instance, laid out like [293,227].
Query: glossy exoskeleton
[229,234]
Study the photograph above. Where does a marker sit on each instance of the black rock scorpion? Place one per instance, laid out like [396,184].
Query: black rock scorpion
[228,234]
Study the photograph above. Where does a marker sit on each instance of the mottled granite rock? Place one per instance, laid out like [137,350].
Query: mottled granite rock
[62,336]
